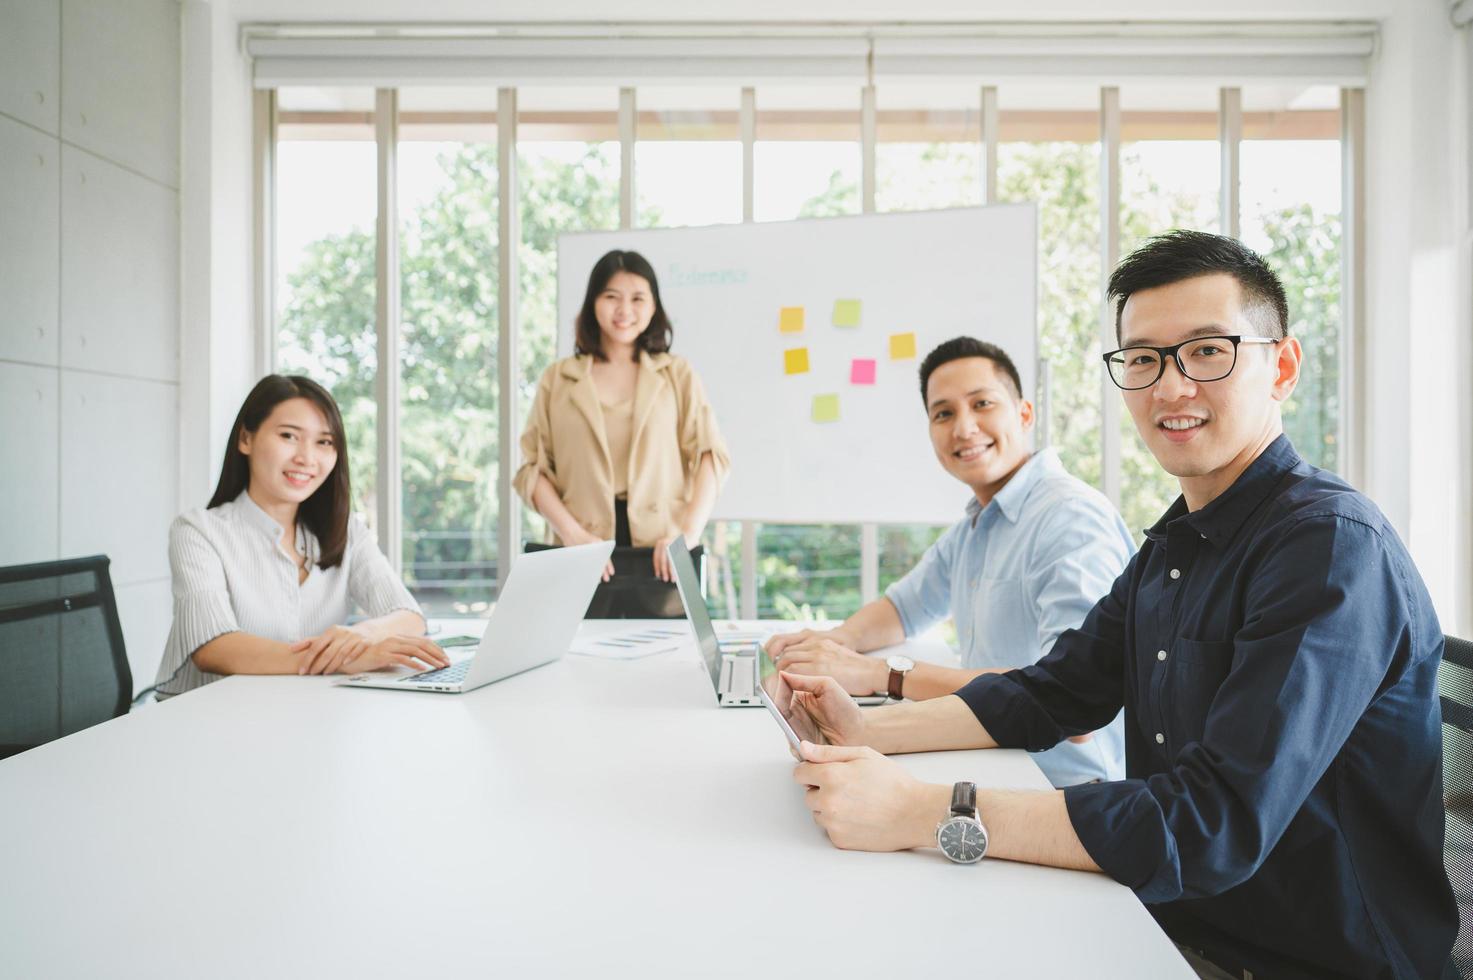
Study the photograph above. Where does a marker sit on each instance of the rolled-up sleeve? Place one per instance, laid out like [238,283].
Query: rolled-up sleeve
[202,607]
[699,433]
[1316,646]
[537,457]
[372,585]
[923,596]
[1326,615]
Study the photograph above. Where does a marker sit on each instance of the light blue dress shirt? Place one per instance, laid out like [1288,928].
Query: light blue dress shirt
[1017,573]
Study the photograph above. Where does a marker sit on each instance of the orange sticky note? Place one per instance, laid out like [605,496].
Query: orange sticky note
[902,346]
[790,319]
[825,408]
[795,360]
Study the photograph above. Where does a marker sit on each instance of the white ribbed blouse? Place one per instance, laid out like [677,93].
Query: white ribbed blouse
[231,574]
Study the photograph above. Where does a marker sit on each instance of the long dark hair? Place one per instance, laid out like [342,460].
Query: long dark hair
[325,513]
[589,339]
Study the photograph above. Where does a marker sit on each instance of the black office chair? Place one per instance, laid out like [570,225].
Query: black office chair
[63,666]
[1455,679]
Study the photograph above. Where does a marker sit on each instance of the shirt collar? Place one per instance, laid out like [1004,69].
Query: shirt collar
[1011,497]
[1221,519]
[251,513]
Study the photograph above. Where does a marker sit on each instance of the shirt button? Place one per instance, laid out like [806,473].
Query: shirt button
[1160,739]
[1160,654]
[1176,573]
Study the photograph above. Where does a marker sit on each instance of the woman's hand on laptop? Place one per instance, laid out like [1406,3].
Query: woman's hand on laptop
[414,652]
[821,705]
[819,654]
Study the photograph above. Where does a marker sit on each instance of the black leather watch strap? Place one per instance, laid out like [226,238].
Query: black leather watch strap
[964,799]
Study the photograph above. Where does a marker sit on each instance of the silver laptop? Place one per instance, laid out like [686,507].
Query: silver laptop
[537,613]
[733,666]
[733,669]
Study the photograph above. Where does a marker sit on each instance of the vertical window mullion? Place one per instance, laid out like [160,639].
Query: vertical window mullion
[264,179]
[749,528]
[628,132]
[1109,257]
[1354,379]
[1230,139]
[869,538]
[508,367]
[989,144]
[386,280]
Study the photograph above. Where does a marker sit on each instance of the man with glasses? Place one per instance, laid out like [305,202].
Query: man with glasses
[1276,655]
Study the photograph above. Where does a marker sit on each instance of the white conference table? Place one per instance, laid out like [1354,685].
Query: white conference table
[590,817]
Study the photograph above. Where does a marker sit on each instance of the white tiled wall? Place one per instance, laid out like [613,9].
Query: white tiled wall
[30,255]
[30,447]
[120,236]
[89,295]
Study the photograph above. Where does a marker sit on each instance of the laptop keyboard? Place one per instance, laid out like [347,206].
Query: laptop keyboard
[453,674]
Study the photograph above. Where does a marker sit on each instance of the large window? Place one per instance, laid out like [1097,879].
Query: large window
[326,206]
[1049,153]
[808,161]
[449,279]
[683,132]
[1290,193]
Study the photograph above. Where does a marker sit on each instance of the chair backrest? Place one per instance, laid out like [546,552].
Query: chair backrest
[63,666]
[1455,681]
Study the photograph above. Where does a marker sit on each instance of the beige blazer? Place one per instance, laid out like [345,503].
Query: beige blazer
[673,428]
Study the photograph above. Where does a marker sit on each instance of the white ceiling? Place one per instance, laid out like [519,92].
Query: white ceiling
[848,11]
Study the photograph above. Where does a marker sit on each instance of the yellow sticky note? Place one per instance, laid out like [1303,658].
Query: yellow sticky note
[846,312]
[902,346]
[790,319]
[795,360]
[825,408]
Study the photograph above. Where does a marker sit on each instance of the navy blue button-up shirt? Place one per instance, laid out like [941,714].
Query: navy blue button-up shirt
[1276,654]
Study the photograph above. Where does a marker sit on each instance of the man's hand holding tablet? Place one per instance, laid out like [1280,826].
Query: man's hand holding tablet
[808,708]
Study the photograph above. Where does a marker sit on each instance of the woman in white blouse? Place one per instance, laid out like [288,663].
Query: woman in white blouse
[265,576]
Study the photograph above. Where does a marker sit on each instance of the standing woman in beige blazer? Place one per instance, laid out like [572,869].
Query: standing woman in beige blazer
[621,442]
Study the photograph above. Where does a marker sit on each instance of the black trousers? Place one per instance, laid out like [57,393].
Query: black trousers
[633,592]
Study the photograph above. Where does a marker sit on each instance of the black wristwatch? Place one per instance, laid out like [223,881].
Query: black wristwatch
[961,837]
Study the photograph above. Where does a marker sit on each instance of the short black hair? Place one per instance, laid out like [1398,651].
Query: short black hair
[959,347]
[588,339]
[1180,255]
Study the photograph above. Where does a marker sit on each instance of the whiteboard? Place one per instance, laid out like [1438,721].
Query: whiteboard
[934,274]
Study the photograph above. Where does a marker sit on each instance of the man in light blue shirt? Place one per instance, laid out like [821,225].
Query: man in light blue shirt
[1034,553]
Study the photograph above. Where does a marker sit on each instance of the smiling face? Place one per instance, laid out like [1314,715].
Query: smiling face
[290,455]
[979,425]
[624,309]
[1207,433]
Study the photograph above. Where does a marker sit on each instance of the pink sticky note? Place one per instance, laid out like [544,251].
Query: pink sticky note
[862,371]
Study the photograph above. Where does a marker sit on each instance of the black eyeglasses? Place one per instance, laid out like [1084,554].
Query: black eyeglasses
[1200,359]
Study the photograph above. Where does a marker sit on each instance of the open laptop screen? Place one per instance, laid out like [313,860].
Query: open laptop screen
[689,584]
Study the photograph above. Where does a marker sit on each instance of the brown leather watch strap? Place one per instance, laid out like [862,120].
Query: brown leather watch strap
[897,680]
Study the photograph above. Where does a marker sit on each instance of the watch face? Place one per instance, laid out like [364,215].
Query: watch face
[900,663]
[963,840]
